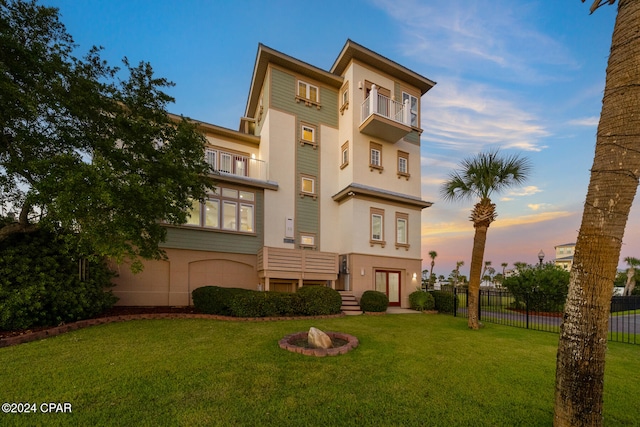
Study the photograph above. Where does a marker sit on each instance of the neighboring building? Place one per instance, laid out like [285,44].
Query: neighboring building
[564,255]
[320,186]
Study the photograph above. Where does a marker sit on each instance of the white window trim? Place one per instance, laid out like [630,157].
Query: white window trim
[306,97]
[417,110]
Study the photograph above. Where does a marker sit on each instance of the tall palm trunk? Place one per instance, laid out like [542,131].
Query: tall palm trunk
[612,188]
[483,214]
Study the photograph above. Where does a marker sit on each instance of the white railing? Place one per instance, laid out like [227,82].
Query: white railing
[235,164]
[386,107]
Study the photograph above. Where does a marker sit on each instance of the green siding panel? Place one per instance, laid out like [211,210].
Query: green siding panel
[283,97]
[413,137]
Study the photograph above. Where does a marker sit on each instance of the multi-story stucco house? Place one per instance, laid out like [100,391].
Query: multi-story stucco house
[319,186]
[564,255]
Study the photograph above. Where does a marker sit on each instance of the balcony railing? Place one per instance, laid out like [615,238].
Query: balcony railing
[385,107]
[238,165]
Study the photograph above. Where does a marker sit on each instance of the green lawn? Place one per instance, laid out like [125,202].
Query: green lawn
[409,370]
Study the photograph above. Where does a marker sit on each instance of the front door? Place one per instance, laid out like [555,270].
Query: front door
[388,282]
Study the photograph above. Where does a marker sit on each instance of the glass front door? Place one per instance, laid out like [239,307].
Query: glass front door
[388,282]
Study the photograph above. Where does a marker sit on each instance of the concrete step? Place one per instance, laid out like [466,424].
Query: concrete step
[350,305]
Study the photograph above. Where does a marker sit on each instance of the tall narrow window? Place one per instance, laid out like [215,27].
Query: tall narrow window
[307,135]
[413,108]
[226,164]
[212,213]
[402,230]
[375,156]
[377,227]
[345,155]
[193,217]
[403,165]
[211,157]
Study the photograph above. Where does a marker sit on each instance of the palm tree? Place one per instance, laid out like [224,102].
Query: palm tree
[631,272]
[457,270]
[432,255]
[487,264]
[480,177]
[612,187]
[504,267]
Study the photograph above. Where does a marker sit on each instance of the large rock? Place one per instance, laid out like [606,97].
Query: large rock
[318,339]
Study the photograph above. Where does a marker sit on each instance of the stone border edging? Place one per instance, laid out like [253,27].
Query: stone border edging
[81,324]
[352,342]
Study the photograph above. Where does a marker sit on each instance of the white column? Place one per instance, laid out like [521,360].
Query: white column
[373,100]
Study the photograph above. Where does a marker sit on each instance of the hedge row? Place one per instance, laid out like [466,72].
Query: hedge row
[40,283]
[420,300]
[445,302]
[308,301]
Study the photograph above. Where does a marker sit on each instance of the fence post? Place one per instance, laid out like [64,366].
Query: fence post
[526,305]
[479,304]
[455,302]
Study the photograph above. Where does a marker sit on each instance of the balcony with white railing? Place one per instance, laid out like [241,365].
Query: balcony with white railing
[236,165]
[384,118]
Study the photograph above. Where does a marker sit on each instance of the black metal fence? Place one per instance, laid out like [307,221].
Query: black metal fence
[499,306]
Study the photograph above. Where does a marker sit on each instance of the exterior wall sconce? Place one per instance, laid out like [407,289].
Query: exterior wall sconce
[362,271]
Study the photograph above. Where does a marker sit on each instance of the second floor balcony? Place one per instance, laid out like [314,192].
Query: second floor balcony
[385,118]
[237,165]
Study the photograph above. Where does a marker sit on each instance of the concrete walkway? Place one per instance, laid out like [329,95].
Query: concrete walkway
[398,310]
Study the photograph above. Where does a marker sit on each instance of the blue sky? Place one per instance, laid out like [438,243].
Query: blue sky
[525,76]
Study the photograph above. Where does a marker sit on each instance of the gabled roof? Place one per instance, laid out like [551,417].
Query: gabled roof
[353,50]
[267,55]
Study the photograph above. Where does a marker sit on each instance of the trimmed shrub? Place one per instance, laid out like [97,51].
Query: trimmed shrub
[319,300]
[253,304]
[374,302]
[215,299]
[41,284]
[445,302]
[420,301]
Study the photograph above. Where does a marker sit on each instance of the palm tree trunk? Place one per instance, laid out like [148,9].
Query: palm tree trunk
[479,241]
[612,188]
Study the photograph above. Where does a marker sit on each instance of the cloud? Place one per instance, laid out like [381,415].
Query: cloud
[524,191]
[430,230]
[468,116]
[585,121]
[537,206]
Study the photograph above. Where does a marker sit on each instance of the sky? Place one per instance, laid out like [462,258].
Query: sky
[523,76]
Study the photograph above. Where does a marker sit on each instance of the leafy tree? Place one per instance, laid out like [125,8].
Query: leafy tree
[612,187]
[543,288]
[478,178]
[88,148]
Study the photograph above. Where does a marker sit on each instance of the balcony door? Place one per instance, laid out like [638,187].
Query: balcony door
[388,282]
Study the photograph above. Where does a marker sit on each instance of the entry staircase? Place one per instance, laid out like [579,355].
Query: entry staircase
[350,305]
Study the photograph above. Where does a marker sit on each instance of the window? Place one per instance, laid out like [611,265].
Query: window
[308,92]
[193,217]
[345,98]
[403,165]
[375,157]
[307,240]
[211,157]
[345,155]
[212,213]
[413,108]
[402,230]
[377,227]
[225,209]
[307,135]
[307,186]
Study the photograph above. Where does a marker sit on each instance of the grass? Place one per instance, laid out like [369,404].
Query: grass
[410,370]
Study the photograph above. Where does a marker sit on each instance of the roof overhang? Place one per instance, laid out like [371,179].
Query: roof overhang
[266,56]
[359,190]
[353,51]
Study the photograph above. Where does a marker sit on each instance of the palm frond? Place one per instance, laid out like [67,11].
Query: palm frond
[485,173]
